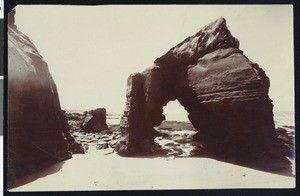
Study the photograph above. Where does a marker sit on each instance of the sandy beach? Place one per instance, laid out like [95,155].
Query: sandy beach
[97,171]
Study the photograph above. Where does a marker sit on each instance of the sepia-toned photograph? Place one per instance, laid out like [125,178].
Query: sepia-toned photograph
[150,97]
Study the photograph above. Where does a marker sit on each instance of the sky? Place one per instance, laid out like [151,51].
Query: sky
[91,50]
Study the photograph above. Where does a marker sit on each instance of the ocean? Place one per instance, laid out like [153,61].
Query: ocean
[281,119]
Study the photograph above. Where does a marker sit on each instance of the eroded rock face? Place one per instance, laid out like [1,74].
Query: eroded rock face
[225,94]
[94,121]
[38,131]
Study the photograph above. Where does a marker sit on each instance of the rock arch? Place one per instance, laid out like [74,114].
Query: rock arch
[225,94]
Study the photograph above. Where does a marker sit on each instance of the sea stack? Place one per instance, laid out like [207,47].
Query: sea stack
[94,121]
[225,94]
[38,131]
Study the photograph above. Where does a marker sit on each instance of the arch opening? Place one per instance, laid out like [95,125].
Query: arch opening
[174,111]
[175,132]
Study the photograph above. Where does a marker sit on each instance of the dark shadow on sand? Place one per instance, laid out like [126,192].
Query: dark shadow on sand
[159,152]
[38,174]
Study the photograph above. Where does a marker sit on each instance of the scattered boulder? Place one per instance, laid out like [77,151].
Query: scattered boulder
[183,140]
[172,144]
[107,132]
[94,121]
[113,143]
[290,127]
[286,142]
[107,138]
[102,145]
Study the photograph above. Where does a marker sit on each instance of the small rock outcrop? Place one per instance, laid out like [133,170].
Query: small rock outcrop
[38,131]
[94,121]
[225,94]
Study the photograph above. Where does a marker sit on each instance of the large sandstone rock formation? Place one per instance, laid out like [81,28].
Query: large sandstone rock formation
[38,130]
[225,94]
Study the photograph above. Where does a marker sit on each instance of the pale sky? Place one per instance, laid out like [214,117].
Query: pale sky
[91,50]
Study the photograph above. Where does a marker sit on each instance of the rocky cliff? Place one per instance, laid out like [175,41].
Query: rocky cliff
[38,131]
[225,94]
